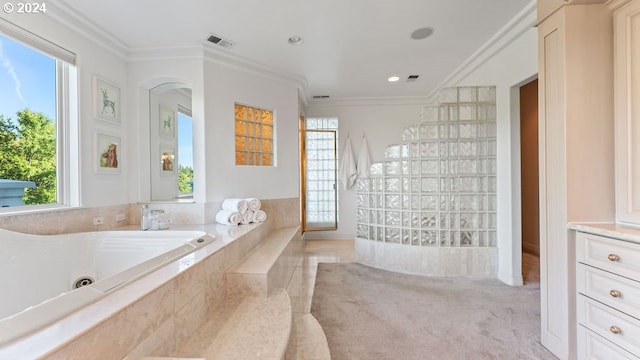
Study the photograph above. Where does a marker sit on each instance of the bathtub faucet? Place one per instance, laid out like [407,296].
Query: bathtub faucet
[155,220]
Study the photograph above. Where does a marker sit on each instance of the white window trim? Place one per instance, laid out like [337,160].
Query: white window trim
[67,125]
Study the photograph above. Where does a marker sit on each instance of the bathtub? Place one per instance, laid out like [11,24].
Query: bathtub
[44,278]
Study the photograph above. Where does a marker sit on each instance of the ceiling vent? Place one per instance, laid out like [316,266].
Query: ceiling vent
[412,77]
[320,96]
[215,39]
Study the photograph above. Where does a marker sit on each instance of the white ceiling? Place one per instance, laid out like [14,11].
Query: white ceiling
[350,47]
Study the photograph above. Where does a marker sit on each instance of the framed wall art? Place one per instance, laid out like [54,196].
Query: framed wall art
[167,122]
[167,160]
[107,157]
[106,101]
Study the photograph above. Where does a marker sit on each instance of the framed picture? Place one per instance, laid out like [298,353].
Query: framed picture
[167,123]
[167,160]
[106,97]
[107,157]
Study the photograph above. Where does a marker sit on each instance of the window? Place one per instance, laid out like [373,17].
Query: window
[35,87]
[185,153]
[320,174]
[254,136]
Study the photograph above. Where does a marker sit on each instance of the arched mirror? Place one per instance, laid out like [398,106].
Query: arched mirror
[171,142]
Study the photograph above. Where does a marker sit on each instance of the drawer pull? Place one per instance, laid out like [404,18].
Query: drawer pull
[613,257]
[615,330]
[615,293]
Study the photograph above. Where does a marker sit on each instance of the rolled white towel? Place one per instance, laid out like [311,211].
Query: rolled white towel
[239,205]
[228,217]
[259,216]
[247,217]
[254,204]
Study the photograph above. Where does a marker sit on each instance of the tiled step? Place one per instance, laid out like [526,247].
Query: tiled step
[255,327]
[308,340]
[268,266]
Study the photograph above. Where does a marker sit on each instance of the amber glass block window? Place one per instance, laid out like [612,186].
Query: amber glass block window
[254,136]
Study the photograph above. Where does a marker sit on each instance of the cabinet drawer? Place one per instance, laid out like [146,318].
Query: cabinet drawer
[618,292]
[619,328]
[594,347]
[620,257]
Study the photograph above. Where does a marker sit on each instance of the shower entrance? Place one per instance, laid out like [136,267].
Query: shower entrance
[319,174]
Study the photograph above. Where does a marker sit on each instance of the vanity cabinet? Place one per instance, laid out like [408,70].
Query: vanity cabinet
[575,82]
[626,20]
[608,297]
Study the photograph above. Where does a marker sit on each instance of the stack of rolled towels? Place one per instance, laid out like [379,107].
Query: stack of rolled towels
[240,212]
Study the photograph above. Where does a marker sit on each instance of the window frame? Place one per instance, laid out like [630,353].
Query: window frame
[67,126]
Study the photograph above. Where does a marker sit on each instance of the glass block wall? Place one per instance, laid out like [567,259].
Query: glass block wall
[438,187]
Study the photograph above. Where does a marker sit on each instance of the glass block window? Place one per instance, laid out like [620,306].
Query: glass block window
[254,136]
[321,155]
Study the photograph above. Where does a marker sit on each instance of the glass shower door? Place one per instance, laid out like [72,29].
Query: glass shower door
[320,165]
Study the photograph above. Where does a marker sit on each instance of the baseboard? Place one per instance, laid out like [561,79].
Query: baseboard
[510,279]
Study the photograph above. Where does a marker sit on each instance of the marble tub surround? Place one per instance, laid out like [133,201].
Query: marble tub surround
[64,220]
[284,213]
[151,315]
[268,266]
[612,230]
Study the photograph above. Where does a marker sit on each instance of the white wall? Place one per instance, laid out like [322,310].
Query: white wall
[146,71]
[224,86]
[91,60]
[382,126]
[512,67]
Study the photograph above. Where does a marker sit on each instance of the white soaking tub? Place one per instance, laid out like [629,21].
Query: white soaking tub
[46,277]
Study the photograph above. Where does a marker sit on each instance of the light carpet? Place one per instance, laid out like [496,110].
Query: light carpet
[368,313]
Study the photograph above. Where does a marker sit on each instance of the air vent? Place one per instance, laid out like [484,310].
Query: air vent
[320,96]
[215,39]
[412,77]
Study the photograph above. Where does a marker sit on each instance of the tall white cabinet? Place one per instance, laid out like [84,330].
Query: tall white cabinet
[626,16]
[576,150]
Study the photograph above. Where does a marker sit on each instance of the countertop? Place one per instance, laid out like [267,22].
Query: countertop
[612,230]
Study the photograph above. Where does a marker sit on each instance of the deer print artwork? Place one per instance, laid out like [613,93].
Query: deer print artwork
[107,103]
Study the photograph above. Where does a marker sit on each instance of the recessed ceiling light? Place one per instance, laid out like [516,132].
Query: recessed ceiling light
[393,79]
[295,40]
[422,33]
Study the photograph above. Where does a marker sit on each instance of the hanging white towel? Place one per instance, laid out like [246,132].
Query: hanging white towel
[239,205]
[253,204]
[228,217]
[259,216]
[347,172]
[364,161]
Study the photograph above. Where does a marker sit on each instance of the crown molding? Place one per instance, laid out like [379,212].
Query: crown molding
[518,25]
[166,53]
[77,22]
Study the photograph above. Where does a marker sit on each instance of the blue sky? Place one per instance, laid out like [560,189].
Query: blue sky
[27,80]
[185,138]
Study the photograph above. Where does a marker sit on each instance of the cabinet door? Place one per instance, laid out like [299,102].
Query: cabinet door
[627,111]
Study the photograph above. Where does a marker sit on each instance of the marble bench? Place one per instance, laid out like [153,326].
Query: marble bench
[268,266]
